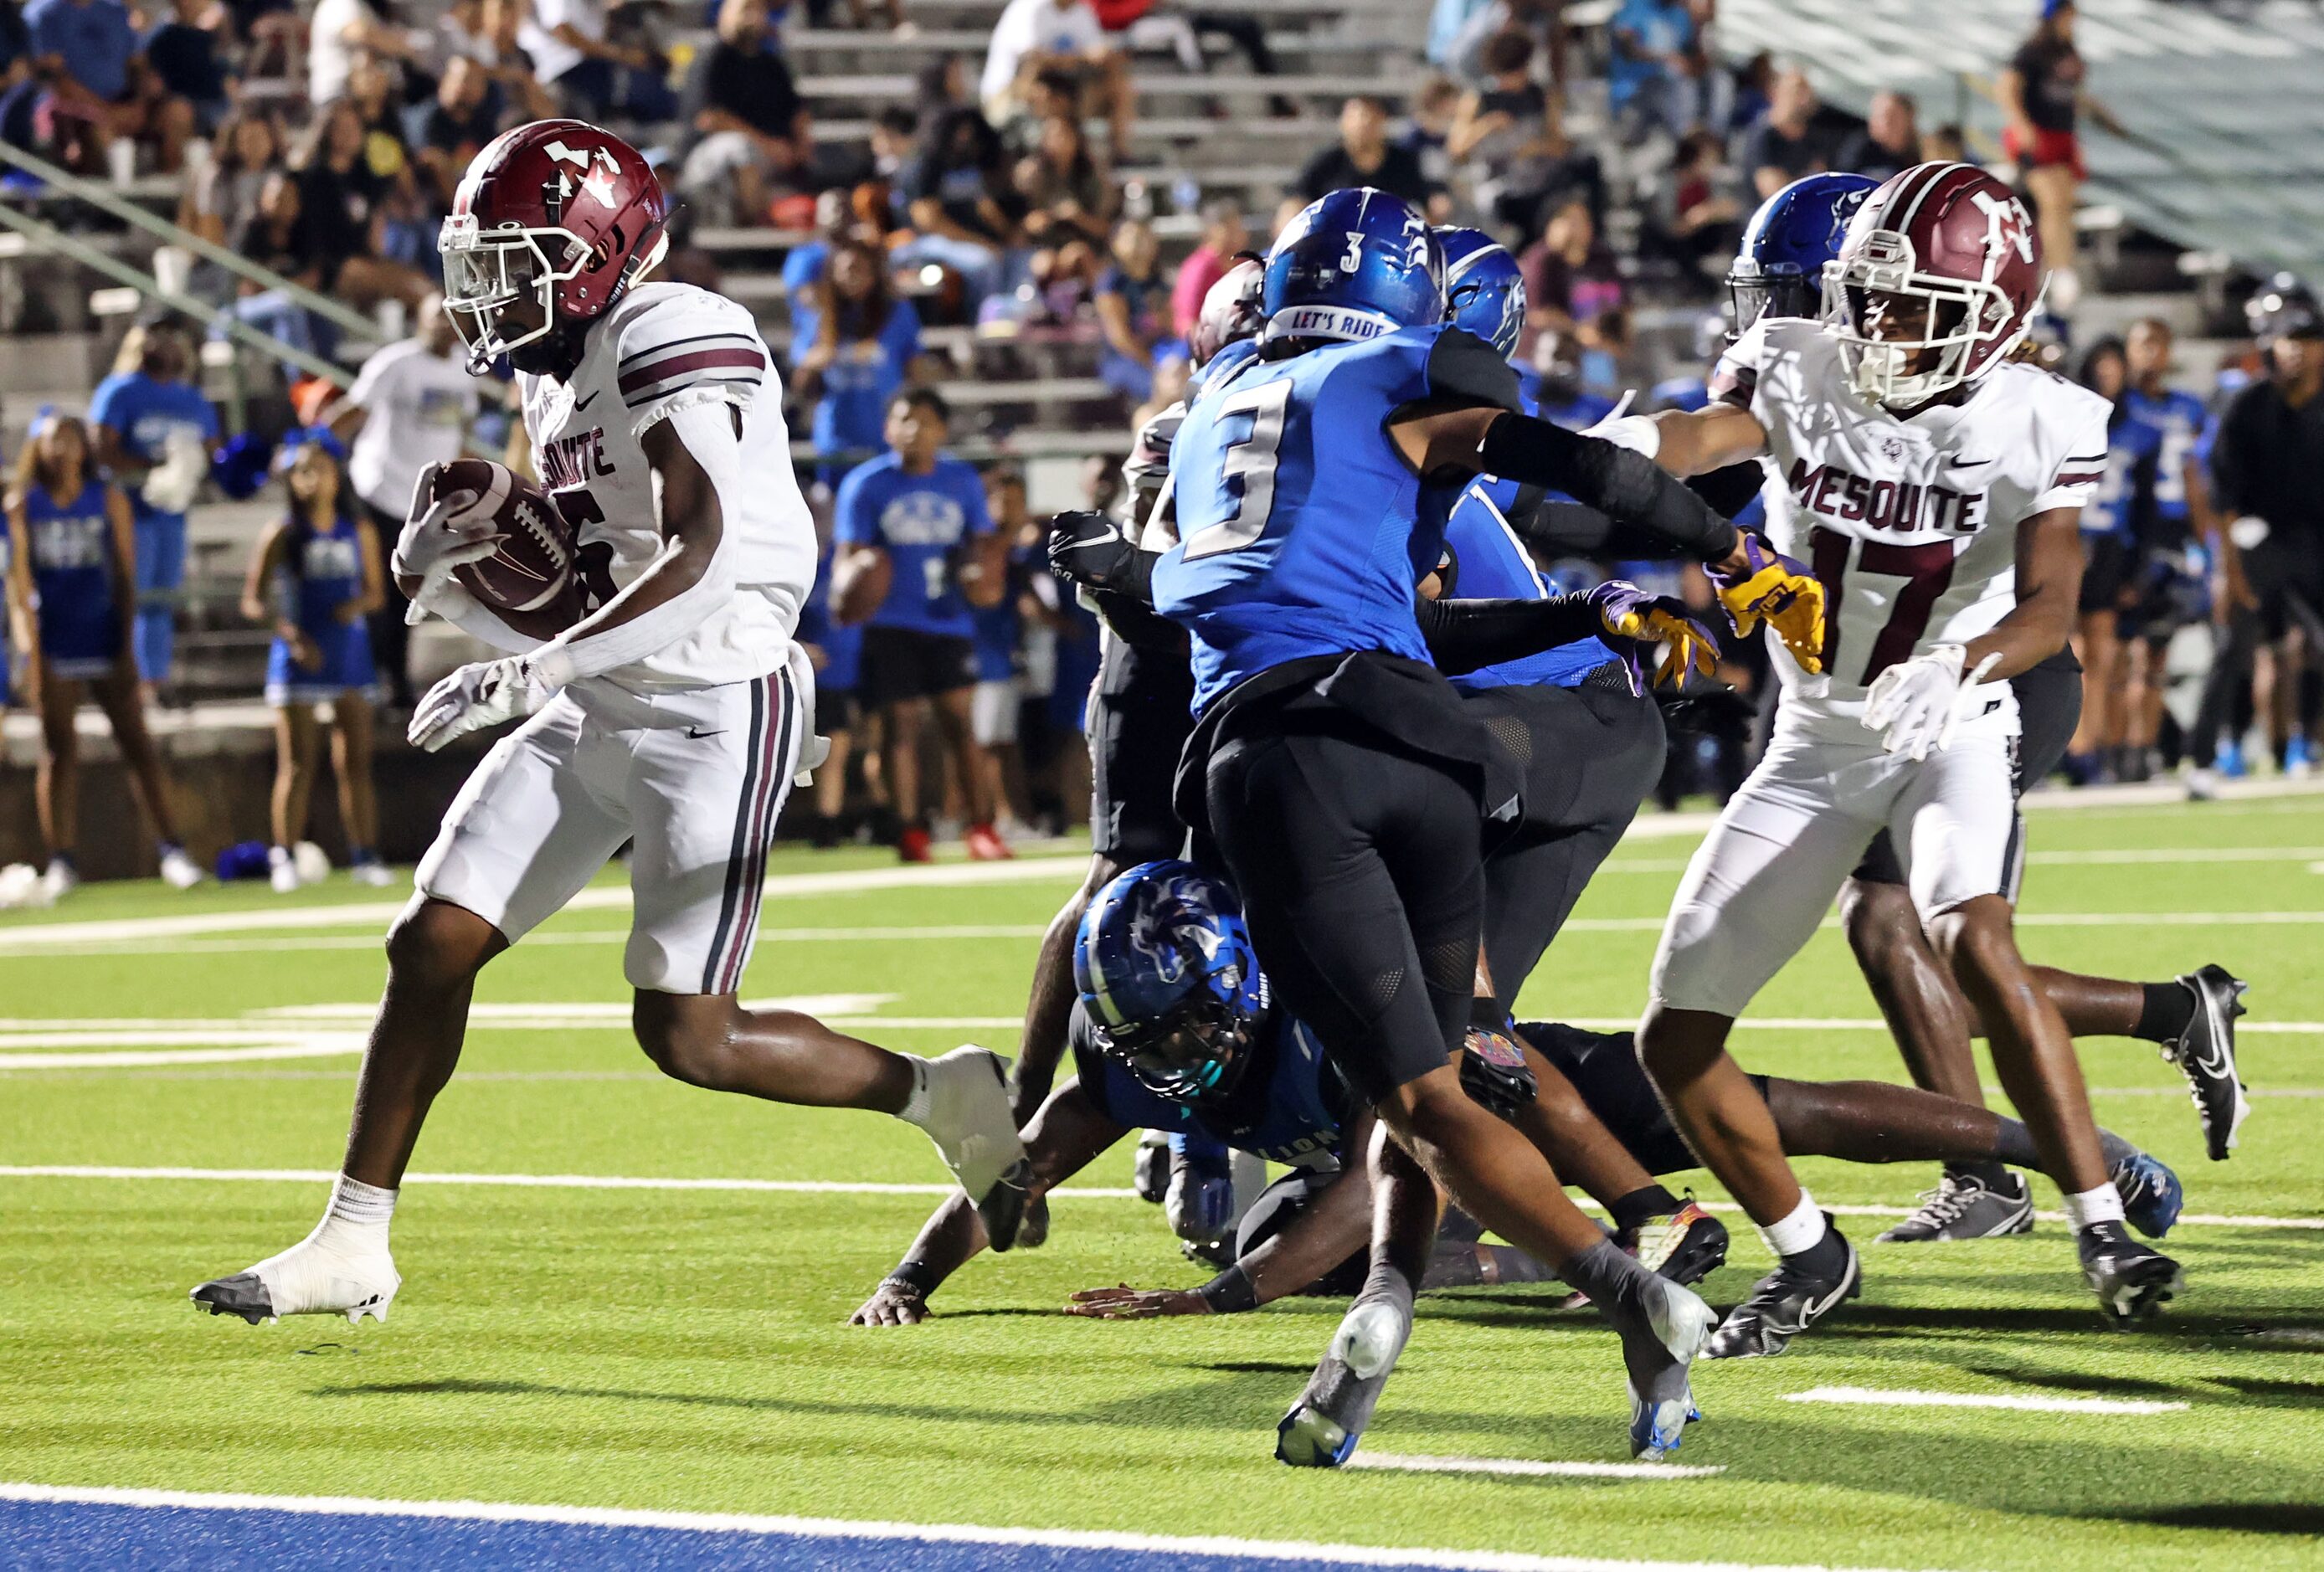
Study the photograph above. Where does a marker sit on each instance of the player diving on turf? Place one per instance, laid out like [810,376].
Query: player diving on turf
[1176,1029]
[673,716]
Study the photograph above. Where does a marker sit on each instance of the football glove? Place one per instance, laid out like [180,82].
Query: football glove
[1638,432]
[1626,612]
[1773,588]
[1200,1200]
[1088,548]
[479,694]
[440,539]
[1495,1075]
[1918,704]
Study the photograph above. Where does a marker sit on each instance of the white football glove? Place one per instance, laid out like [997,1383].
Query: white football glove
[1638,432]
[480,695]
[1919,703]
[438,540]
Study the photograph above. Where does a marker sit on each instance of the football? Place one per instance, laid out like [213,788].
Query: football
[532,570]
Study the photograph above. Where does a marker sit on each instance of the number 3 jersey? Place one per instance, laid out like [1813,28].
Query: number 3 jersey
[1301,530]
[1911,523]
[664,348]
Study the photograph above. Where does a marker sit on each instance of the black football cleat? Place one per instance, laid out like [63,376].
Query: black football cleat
[1683,1247]
[2206,1055]
[2132,1280]
[243,1295]
[1787,1302]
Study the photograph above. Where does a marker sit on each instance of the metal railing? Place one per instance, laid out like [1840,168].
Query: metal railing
[102,197]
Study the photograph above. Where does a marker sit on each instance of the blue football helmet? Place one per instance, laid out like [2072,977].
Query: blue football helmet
[1351,265]
[1484,293]
[1167,974]
[1779,270]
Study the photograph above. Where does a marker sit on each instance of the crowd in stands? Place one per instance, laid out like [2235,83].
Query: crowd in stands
[1618,169]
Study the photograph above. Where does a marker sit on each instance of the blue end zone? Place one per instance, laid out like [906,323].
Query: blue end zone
[49,1534]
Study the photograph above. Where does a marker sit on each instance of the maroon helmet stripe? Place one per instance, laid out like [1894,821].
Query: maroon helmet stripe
[698,360]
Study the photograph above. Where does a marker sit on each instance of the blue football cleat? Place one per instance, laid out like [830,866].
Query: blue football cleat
[1322,1428]
[2151,1194]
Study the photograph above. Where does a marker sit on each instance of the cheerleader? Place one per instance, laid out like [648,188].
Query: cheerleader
[316,576]
[72,567]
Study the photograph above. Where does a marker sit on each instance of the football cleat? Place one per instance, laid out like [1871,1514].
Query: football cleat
[2206,1055]
[314,1277]
[1686,1246]
[976,1134]
[985,845]
[1664,1331]
[1322,1428]
[1786,1302]
[1962,1207]
[61,880]
[2130,1280]
[1033,1230]
[2150,1191]
[372,873]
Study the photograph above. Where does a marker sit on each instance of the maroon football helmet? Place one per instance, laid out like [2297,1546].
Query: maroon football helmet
[1231,309]
[1936,282]
[557,213]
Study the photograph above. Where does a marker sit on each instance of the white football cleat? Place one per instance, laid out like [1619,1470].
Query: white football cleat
[314,1277]
[371,872]
[970,1121]
[179,870]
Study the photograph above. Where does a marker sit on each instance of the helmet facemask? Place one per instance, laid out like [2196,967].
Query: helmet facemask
[1194,1053]
[1781,291]
[488,271]
[1907,336]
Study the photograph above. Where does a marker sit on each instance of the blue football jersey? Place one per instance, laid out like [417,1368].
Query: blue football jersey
[2132,449]
[2180,421]
[1494,564]
[1302,532]
[1289,1107]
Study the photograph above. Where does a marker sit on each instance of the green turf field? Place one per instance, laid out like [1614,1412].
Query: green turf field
[685,1348]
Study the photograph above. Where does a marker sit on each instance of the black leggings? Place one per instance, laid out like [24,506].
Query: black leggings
[1357,867]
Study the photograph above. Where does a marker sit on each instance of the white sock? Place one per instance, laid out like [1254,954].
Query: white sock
[358,1213]
[2102,1205]
[1799,1232]
[914,1110]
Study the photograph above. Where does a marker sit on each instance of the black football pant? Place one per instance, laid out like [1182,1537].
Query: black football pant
[1591,756]
[1357,867]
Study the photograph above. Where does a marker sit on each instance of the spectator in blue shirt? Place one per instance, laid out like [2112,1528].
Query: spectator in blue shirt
[866,342]
[1133,311]
[1654,68]
[101,91]
[916,554]
[154,431]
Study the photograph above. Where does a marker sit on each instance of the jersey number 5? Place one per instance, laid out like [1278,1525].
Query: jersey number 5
[1247,471]
[594,563]
[1927,571]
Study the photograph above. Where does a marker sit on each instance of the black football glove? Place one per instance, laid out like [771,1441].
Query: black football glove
[1088,548]
[1494,1072]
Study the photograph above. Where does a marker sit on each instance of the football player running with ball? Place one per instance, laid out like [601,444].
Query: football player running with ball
[1935,484]
[673,716]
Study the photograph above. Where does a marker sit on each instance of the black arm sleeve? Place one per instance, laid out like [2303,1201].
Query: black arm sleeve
[1628,486]
[1731,489]
[1562,529]
[1464,636]
[1463,369]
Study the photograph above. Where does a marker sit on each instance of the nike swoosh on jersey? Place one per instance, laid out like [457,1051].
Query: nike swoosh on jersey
[697,731]
[581,404]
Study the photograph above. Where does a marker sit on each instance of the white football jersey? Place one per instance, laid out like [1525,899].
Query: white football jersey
[1911,523]
[662,348]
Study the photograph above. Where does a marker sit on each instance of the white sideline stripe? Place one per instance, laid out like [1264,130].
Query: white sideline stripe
[848,1187]
[610,897]
[530,1181]
[322,1045]
[1221,1545]
[597,1012]
[1528,1468]
[1880,1397]
[2160,854]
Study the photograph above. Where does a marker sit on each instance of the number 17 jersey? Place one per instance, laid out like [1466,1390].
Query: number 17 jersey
[1301,530]
[1909,523]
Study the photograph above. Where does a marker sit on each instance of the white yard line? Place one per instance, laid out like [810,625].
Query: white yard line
[1528,1468]
[1880,1397]
[1215,1545]
[840,1187]
[2154,854]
